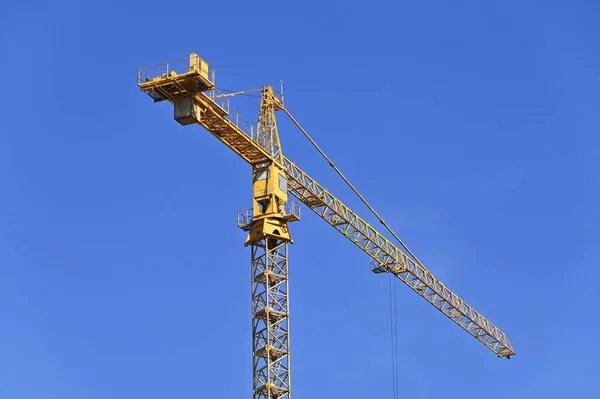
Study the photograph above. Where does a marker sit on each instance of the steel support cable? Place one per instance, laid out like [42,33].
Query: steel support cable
[392,287]
[394,336]
[352,187]
[242,93]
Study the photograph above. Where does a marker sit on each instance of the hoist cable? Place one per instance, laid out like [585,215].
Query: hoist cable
[394,335]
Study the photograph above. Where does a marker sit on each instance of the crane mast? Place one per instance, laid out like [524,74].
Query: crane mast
[269,238]
[189,85]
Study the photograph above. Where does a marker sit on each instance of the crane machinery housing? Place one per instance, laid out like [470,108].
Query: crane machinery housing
[189,84]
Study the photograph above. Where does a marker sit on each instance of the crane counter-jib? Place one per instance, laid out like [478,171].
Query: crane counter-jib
[233,130]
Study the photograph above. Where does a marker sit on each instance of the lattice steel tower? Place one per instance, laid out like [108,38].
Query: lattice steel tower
[269,237]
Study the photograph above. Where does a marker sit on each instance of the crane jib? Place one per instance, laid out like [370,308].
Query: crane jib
[394,260]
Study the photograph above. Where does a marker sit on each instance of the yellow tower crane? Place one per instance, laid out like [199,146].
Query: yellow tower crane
[189,84]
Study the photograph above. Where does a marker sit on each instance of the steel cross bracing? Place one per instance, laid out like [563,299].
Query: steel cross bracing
[270,319]
[239,135]
[267,135]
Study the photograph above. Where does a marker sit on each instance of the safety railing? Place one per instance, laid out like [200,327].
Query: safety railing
[292,208]
[231,114]
[245,217]
[174,68]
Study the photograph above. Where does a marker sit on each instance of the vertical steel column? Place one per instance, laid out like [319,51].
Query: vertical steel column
[270,318]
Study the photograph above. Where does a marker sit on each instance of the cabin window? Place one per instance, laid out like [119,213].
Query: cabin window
[261,175]
[283,183]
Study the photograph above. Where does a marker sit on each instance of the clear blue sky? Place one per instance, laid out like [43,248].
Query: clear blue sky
[472,128]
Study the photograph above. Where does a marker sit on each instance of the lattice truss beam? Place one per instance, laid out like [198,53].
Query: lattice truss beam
[270,319]
[388,258]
